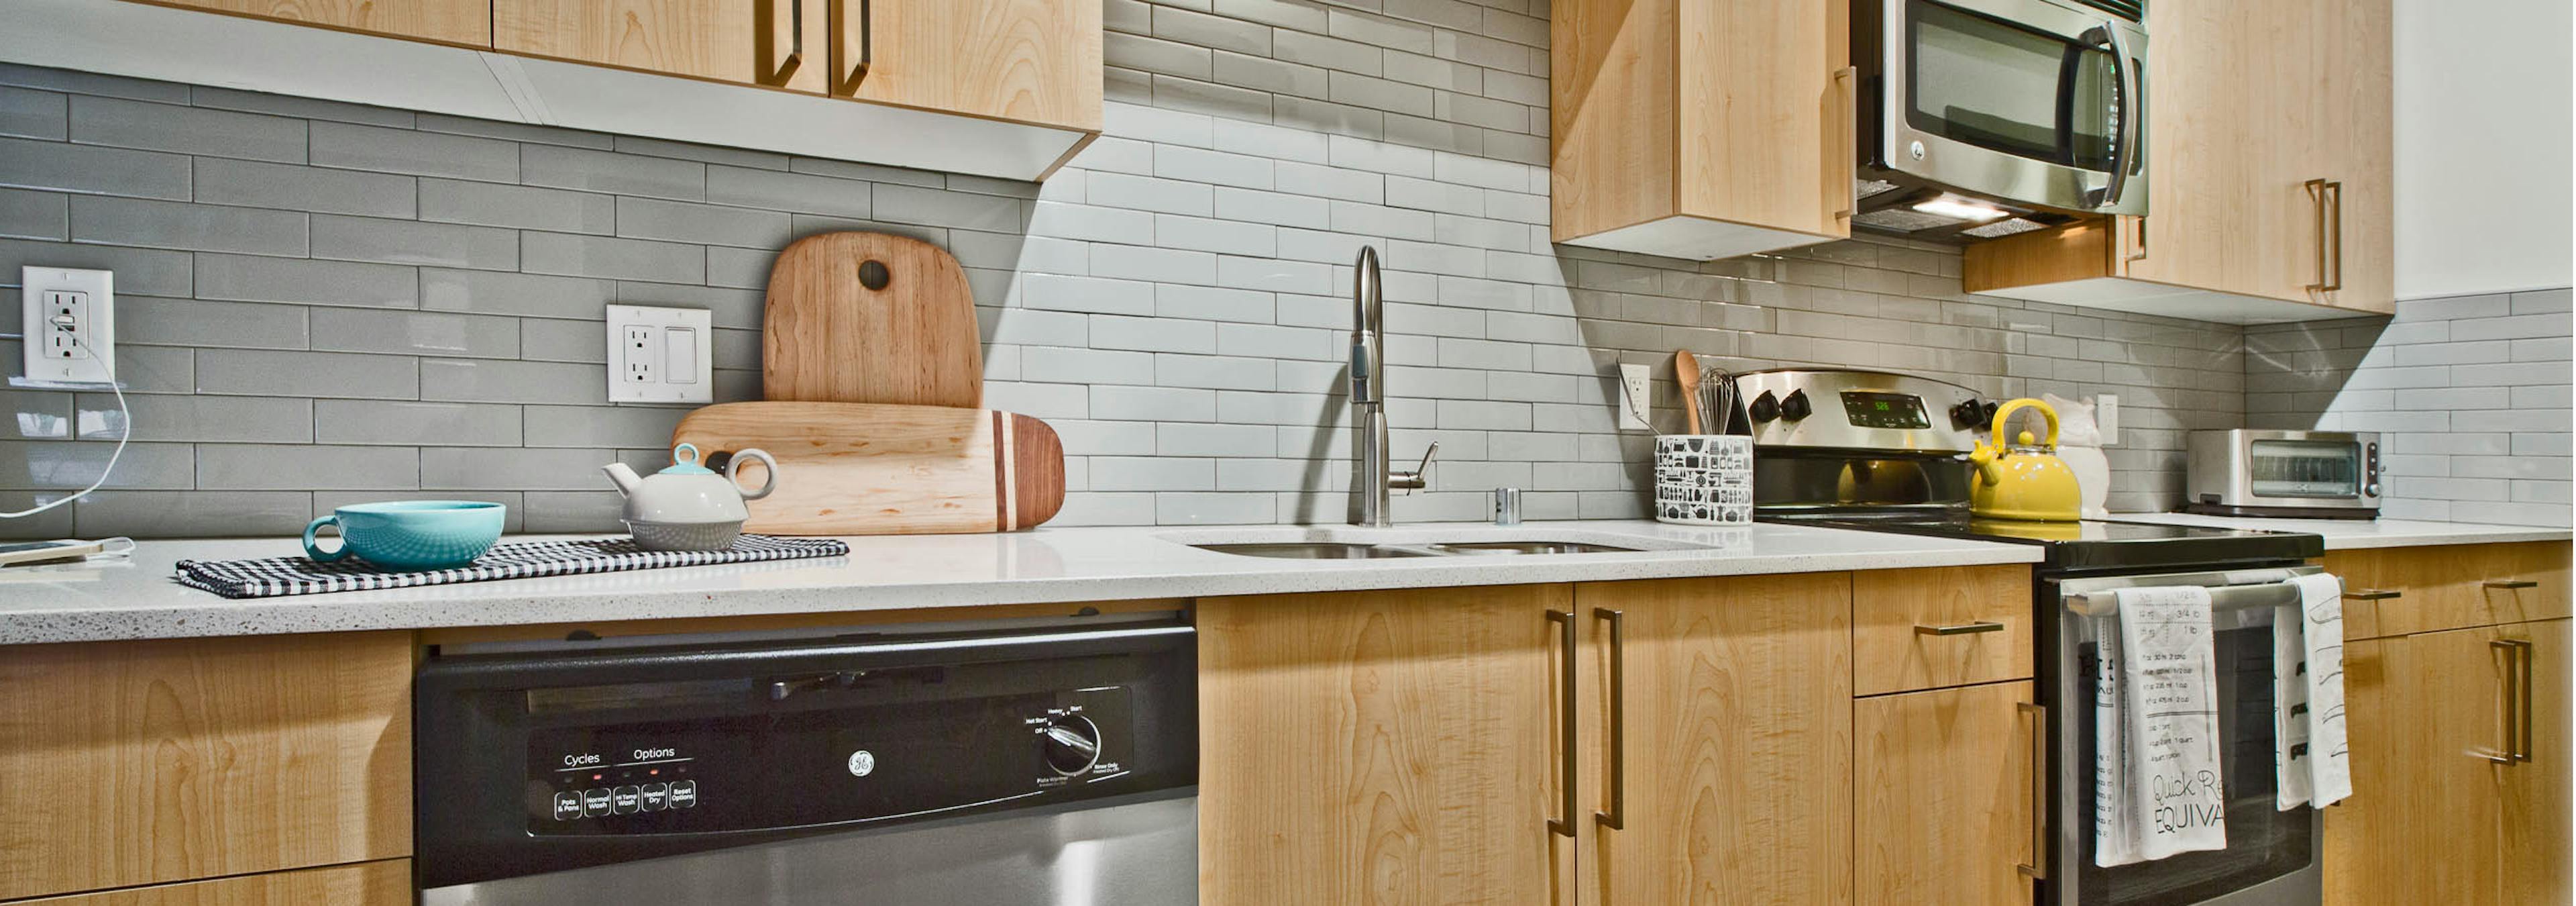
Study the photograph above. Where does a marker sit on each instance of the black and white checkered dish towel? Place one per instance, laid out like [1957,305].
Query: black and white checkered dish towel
[275,576]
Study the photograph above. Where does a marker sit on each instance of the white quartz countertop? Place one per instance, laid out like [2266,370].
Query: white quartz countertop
[135,597]
[2350,534]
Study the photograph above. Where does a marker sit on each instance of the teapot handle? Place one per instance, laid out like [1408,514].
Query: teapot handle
[734,467]
[2005,414]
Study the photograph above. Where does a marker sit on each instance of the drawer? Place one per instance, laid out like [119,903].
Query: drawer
[1947,626]
[131,763]
[2403,590]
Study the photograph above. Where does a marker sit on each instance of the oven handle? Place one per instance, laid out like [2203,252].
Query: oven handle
[2221,597]
[2125,76]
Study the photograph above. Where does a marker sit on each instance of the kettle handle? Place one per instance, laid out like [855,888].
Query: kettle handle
[2002,415]
[733,468]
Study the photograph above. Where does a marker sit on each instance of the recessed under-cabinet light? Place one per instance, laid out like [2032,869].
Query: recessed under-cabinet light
[1958,208]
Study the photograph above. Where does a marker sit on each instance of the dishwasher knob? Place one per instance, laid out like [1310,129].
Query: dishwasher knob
[1071,744]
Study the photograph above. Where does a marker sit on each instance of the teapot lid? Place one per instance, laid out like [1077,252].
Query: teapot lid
[684,461]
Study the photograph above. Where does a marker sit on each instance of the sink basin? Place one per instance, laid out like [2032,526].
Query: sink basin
[1317,550]
[1489,548]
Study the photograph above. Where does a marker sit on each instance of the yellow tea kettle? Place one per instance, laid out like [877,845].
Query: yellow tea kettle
[2023,481]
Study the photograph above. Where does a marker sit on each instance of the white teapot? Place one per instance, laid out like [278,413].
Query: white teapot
[689,507]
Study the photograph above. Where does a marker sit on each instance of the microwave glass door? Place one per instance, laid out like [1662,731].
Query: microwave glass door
[2305,468]
[2004,87]
[2263,842]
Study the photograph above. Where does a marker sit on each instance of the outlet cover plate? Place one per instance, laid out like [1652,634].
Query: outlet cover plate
[1635,388]
[658,327]
[61,303]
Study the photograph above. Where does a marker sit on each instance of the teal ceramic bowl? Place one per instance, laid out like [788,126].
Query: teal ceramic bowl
[411,534]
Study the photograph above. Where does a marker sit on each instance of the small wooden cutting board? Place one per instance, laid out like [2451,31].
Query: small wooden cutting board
[882,469]
[870,318]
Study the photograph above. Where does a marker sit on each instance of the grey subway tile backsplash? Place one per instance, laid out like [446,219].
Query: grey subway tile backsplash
[187,130]
[382,150]
[427,333]
[251,372]
[415,242]
[105,171]
[517,207]
[33,114]
[298,188]
[249,278]
[109,220]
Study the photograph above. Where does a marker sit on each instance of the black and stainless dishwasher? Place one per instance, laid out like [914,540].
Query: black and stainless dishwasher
[1046,765]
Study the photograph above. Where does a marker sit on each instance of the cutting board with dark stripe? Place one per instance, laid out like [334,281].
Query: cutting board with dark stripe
[887,469]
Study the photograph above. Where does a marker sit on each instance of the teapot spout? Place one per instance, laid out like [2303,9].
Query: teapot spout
[625,478]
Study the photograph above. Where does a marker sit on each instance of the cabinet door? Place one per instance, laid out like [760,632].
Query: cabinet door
[1735,722]
[2372,847]
[2201,212]
[385,883]
[1947,796]
[2490,828]
[467,22]
[132,763]
[753,42]
[1382,747]
[1034,61]
[2356,148]
[2533,797]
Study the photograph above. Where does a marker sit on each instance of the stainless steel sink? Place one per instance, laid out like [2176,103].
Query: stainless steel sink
[1317,550]
[1489,548]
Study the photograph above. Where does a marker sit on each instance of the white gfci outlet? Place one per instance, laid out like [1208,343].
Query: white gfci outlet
[70,324]
[2106,416]
[1635,386]
[660,355]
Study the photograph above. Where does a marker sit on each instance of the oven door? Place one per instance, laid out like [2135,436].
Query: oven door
[2027,101]
[2271,855]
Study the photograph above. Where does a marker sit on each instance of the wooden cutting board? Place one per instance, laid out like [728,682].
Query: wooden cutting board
[881,469]
[870,318]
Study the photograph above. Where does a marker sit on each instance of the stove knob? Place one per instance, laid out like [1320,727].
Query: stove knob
[1967,414]
[1796,408]
[1764,407]
[1071,744]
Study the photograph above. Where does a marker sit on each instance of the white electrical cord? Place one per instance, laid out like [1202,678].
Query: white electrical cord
[124,416]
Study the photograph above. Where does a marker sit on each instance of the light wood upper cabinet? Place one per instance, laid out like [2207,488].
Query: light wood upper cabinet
[2250,103]
[385,883]
[1701,128]
[1033,61]
[753,42]
[467,22]
[1383,747]
[1735,723]
[134,763]
[1947,796]
[2467,806]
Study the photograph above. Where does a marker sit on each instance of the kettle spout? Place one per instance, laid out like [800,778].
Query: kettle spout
[625,478]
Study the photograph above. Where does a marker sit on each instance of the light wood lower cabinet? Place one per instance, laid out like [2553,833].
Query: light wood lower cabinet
[1947,803]
[1031,61]
[1382,747]
[2461,762]
[385,883]
[1730,700]
[467,22]
[134,763]
[2403,590]
[1945,626]
[754,42]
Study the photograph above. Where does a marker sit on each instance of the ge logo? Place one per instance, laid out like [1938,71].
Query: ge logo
[862,763]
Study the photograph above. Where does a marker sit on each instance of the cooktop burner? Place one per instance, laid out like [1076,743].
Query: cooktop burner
[2095,544]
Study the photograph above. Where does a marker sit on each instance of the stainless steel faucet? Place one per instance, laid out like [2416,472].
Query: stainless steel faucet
[1370,476]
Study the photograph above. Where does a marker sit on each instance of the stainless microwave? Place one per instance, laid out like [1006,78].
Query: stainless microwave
[2248,472]
[1987,117]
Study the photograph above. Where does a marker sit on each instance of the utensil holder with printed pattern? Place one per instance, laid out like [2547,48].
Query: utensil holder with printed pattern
[1704,479]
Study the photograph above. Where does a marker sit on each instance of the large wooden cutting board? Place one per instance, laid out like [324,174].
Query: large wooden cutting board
[879,469]
[870,318]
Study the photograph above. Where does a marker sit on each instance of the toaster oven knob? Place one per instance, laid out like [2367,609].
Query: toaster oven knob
[1071,744]
[1764,408]
[1796,407]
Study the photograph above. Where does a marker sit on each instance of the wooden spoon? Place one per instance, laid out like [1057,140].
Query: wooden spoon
[1686,371]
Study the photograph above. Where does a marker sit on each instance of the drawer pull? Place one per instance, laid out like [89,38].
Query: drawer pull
[2374,594]
[2512,583]
[1961,629]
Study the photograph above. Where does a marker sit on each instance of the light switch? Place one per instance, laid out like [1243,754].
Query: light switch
[680,355]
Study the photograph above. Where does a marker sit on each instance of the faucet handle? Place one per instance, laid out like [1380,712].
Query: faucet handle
[1417,479]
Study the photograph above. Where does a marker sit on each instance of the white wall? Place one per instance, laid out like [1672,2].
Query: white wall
[2483,139]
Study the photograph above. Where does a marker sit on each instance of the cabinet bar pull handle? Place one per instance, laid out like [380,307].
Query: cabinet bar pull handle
[2512,583]
[1564,825]
[1616,817]
[867,43]
[2037,867]
[2317,193]
[1961,629]
[2334,194]
[795,40]
[1846,86]
[2517,703]
[2139,227]
[2374,594]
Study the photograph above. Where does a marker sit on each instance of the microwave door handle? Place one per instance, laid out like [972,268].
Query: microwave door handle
[2125,142]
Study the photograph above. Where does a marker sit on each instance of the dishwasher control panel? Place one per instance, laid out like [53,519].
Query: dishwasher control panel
[843,758]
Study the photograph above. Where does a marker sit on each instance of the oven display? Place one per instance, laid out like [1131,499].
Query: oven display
[1873,409]
[2305,468]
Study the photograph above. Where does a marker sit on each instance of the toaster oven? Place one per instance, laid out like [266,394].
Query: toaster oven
[2315,474]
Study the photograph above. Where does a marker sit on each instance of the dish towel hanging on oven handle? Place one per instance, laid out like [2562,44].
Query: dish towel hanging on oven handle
[2156,771]
[2311,755]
